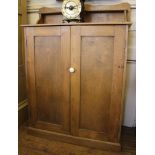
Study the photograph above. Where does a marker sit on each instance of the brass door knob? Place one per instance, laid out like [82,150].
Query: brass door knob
[71,70]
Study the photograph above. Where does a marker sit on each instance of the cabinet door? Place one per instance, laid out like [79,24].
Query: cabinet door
[48,60]
[98,54]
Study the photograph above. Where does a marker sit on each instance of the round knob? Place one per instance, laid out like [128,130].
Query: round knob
[71,70]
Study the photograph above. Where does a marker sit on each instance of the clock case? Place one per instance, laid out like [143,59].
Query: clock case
[79,18]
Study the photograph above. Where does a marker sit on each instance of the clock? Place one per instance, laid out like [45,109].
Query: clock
[72,10]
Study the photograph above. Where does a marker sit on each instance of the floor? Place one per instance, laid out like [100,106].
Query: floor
[30,145]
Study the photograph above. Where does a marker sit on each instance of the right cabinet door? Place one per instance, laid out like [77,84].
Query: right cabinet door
[98,56]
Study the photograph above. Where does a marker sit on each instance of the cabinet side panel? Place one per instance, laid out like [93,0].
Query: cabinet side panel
[119,65]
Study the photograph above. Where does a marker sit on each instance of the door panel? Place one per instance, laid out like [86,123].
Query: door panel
[96,81]
[96,86]
[48,74]
[48,61]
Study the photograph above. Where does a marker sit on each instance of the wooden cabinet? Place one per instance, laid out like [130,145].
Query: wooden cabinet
[75,76]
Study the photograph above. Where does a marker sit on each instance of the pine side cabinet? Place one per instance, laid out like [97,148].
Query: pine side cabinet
[75,75]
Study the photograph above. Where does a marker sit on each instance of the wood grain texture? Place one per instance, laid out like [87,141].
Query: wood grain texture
[78,24]
[83,107]
[86,103]
[22,93]
[75,79]
[92,13]
[22,19]
[116,105]
[98,56]
[34,6]
[48,58]
[48,80]
[96,53]
[32,145]
[97,144]
[22,116]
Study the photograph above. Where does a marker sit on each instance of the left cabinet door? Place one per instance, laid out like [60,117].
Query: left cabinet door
[48,79]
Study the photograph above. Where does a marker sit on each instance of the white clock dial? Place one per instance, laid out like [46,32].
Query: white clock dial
[71,8]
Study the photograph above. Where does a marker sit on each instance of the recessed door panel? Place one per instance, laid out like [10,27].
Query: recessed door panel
[48,72]
[96,82]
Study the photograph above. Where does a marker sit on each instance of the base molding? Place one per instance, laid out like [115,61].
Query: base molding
[22,112]
[75,140]
[22,104]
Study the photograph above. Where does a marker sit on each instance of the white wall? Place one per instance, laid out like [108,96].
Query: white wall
[130,90]
[130,96]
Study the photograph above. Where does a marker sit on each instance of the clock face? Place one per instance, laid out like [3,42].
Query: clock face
[71,8]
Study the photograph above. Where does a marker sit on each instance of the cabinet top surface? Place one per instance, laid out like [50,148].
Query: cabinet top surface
[77,24]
